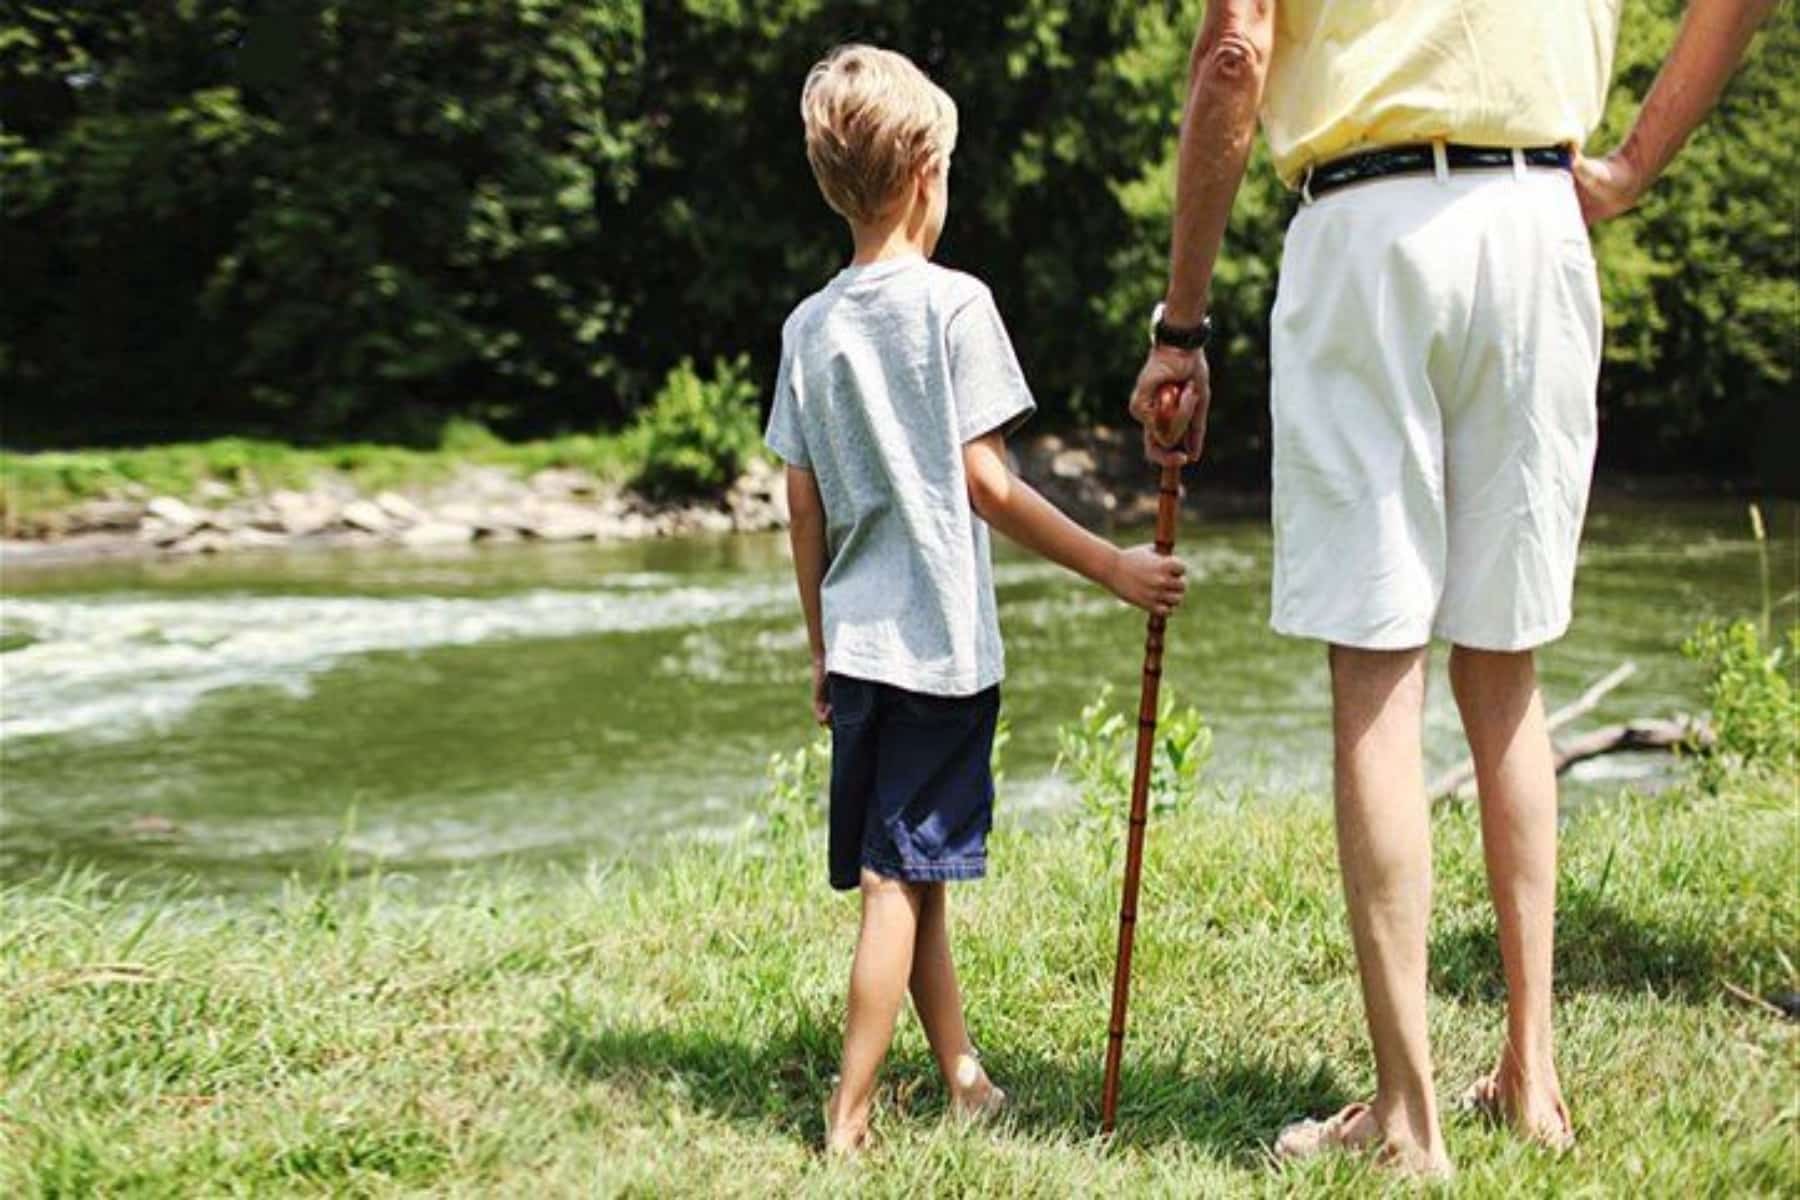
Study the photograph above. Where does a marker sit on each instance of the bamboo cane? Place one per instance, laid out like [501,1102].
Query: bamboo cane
[1168,498]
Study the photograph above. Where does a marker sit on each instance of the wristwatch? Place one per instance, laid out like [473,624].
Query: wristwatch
[1179,337]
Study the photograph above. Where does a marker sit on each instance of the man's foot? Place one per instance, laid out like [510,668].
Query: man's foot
[846,1132]
[1538,1114]
[1355,1130]
[973,1096]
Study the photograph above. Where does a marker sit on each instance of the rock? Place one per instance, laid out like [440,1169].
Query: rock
[462,513]
[248,537]
[489,483]
[503,518]
[563,523]
[206,541]
[214,491]
[301,513]
[106,516]
[631,526]
[400,508]
[1073,464]
[176,515]
[563,481]
[438,533]
[712,520]
[366,516]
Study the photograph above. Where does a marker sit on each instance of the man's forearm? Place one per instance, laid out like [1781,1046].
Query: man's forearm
[1229,65]
[1711,42]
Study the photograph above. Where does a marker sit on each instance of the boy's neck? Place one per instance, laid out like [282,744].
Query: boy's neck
[879,243]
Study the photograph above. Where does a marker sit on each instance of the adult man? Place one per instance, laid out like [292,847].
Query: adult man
[1435,347]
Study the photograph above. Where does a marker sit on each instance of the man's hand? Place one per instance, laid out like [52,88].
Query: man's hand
[1153,582]
[1607,186]
[821,699]
[1187,370]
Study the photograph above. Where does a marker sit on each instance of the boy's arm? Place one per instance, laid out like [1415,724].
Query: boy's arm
[1137,576]
[806,534]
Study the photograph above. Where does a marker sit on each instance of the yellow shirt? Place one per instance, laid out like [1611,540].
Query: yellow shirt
[1349,75]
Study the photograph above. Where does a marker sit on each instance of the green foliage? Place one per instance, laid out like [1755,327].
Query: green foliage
[1702,282]
[1100,749]
[794,793]
[697,434]
[321,218]
[1755,703]
[360,220]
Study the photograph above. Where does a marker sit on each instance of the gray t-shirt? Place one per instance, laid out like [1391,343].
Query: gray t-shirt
[885,373]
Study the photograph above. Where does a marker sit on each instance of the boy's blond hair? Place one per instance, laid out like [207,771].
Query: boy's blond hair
[872,119]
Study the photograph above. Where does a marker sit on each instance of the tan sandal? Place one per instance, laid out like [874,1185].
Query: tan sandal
[1483,1098]
[989,1108]
[1309,1138]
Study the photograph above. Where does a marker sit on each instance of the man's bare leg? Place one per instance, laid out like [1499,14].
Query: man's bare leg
[1384,850]
[1503,715]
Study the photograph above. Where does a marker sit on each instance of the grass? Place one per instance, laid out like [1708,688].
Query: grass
[35,486]
[672,1030]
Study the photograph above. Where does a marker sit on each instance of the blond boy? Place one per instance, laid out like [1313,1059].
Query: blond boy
[897,387]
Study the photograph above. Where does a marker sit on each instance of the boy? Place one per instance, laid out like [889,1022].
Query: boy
[896,389]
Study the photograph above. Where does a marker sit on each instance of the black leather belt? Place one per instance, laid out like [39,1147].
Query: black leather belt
[1413,160]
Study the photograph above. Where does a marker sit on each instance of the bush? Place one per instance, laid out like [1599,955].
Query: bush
[697,434]
[1755,707]
[1100,748]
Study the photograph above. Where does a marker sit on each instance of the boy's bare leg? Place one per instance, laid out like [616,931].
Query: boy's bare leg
[939,1004]
[1384,850]
[1503,715]
[878,975]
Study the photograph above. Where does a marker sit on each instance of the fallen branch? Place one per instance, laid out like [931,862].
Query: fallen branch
[1588,700]
[1459,781]
[1641,734]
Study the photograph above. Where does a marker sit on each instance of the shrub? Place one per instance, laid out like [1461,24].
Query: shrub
[697,434]
[1100,749]
[1755,707]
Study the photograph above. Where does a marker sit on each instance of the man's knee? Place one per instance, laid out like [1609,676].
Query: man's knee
[1475,671]
[1354,669]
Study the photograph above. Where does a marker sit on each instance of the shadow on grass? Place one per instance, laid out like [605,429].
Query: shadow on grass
[1234,1111]
[1599,948]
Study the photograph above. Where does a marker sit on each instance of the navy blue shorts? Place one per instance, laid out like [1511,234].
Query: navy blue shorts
[912,786]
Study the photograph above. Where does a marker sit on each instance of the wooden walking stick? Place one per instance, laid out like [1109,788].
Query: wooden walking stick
[1168,497]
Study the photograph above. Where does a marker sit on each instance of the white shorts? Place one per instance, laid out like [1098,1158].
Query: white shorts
[1435,352]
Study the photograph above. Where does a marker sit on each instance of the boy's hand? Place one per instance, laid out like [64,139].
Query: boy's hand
[821,702]
[1153,582]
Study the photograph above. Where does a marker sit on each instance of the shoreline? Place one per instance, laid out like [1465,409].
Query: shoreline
[1096,475]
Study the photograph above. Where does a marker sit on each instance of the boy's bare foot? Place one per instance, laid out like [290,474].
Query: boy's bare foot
[973,1096]
[1536,1112]
[846,1132]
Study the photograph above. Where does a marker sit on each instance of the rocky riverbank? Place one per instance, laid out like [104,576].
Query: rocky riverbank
[1096,477]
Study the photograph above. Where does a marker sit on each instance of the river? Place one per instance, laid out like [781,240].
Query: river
[223,721]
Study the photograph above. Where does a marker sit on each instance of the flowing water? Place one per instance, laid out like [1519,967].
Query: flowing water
[230,720]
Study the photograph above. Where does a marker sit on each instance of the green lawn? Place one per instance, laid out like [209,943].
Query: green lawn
[672,1030]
